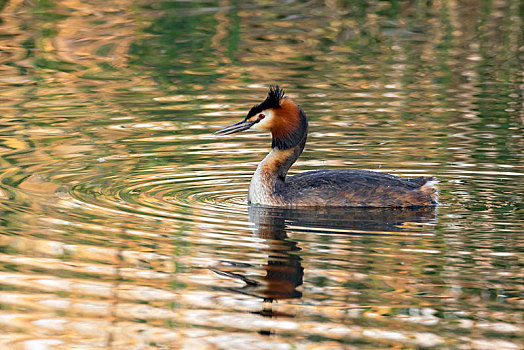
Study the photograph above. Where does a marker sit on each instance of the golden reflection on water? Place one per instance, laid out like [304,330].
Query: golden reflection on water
[123,221]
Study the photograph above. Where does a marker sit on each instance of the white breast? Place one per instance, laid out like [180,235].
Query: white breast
[261,189]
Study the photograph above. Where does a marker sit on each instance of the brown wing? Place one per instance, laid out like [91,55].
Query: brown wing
[350,187]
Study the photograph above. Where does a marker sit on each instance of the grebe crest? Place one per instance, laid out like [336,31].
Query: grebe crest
[288,125]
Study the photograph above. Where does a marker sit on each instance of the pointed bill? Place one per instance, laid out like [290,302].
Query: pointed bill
[237,127]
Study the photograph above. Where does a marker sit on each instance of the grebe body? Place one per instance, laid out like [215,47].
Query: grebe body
[269,186]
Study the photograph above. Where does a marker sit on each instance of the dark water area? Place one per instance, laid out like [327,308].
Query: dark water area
[124,222]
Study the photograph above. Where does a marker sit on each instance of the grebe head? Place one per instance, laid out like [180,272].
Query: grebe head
[277,114]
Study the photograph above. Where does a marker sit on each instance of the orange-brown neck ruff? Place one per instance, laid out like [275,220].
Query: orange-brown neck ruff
[290,125]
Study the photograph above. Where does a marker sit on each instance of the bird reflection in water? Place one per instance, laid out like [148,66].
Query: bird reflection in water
[283,271]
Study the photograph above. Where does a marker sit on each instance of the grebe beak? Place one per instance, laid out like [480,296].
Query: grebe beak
[240,126]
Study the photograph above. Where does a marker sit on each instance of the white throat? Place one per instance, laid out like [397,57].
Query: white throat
[262,186]
[268,183]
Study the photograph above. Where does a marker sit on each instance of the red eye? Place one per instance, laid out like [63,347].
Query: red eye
[261,116]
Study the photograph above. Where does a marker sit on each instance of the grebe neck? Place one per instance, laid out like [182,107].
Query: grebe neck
[269,179]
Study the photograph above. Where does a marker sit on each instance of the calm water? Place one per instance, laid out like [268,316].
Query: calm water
[124,223]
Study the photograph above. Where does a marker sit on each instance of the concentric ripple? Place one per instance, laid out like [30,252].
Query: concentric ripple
[167,196]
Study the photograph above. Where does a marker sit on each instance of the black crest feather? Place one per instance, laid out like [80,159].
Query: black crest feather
[274,96]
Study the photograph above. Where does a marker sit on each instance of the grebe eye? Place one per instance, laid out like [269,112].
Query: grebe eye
[261,116]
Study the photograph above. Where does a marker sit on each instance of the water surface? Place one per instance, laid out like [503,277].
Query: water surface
[124,222]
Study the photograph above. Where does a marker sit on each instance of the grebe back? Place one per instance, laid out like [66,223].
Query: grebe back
[288,125]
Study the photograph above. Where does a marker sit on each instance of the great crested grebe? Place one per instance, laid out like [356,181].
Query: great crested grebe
[288,125]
